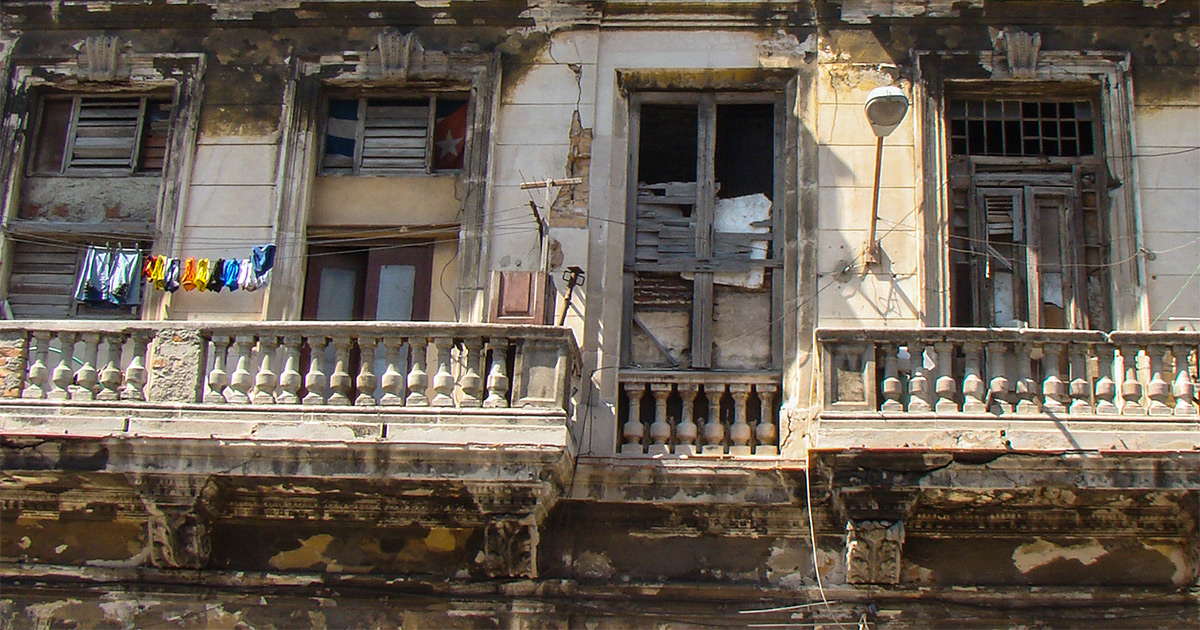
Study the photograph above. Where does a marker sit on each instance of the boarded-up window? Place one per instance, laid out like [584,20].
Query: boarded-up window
[101,135]
[395,136]
[702,257]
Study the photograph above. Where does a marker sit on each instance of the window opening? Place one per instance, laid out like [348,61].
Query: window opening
[1028,239]
[88,135]
[702,259]
[380,136]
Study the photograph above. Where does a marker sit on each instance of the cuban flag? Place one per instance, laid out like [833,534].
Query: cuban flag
[449,134]
[340,130]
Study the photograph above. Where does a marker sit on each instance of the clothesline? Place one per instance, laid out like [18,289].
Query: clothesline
[113,276]
[167,273]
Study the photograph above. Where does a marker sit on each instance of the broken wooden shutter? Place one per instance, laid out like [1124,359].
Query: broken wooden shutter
[998,260]
[42,280]
[395,135]
[105,134]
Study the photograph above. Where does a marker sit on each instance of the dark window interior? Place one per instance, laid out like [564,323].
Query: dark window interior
[745,150]
[1021,128]
[667,147]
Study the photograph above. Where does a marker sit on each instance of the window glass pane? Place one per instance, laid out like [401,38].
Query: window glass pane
[335,294]
[397,288]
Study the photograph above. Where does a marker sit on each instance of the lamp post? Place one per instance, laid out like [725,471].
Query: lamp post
[885,108]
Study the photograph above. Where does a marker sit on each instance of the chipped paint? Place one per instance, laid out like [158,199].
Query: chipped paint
[1039,553]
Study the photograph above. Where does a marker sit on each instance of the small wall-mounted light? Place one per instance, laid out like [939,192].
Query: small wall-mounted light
[885,109]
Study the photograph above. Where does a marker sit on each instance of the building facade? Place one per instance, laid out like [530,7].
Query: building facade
[603,314]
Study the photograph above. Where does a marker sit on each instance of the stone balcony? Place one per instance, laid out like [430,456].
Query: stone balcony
[427,425]
[1010,389]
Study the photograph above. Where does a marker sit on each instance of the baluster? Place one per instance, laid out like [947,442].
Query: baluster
[918,383]
[766,434]
[999,386]
[890,386]
[1184,389]
[687,431]
[86,377]
[714,431]
[63,375]
[1131,388]
[945,386]
[289,378]
[1080,388]
[135,373]
[392,381]
[443,380]
[660,429]
[1158,390]
[218,379]
[739,430]
[1106,387]
[1054,390]
[418,380]
[471,383]
[497,380]
[110,375]
[240,381]
[36,382]
[974,389]
[1026,387]
[366,380]
[315,381]
[266,379]
[632,430]
[340,383]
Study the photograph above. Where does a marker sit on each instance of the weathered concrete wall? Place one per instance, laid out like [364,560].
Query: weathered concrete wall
[1168,160]
[90,199]
[385,201]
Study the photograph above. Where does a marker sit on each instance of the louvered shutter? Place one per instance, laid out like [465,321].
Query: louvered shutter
[395,136]
[106,133]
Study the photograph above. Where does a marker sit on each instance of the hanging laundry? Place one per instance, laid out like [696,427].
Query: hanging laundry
[202,274]
[216,278]
[188,277]
[171,275]
[232,270]
[263,258]
[110,276]
[159,271]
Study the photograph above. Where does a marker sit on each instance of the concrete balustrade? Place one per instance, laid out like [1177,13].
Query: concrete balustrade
[264,365]
[699,413]
[948,371]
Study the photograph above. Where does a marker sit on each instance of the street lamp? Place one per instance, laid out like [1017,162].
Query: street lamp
[885,108]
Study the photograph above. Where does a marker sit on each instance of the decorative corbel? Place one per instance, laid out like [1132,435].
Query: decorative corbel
[179,527]
[396,53]
[1020,50]
[873,551]
[104,58]
[509,548]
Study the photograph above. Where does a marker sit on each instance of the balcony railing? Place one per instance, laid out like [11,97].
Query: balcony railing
[380,366]
[705,413]
[1009,372]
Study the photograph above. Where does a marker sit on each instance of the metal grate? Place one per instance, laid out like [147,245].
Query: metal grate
[1021,128]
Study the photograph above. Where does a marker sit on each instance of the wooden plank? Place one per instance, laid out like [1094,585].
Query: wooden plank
[702,324]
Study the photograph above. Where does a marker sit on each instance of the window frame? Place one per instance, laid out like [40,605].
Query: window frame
[66,169]
[363,97]
[707,102]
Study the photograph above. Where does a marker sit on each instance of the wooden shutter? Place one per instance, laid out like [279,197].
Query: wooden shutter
[106,132]
[42,280]
[395,135]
